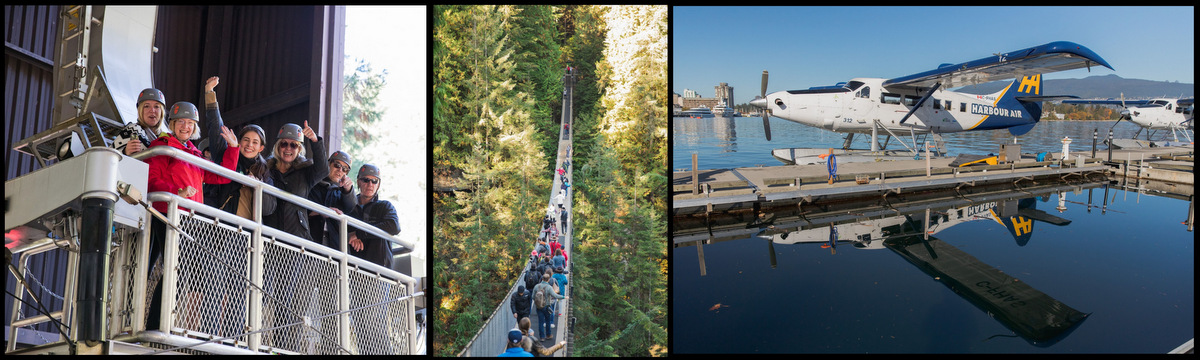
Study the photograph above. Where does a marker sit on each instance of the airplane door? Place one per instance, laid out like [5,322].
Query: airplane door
[860,106]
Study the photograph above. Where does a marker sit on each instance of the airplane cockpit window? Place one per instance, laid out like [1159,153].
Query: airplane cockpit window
[853,85]
[1168,106]
[866,93]
[1155,103]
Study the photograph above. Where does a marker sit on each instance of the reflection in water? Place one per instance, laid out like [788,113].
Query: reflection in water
[721,130]
[908,230]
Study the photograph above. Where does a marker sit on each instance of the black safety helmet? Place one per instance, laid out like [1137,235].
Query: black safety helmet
[368,170]
[343,157]
[184,110]
[151,94]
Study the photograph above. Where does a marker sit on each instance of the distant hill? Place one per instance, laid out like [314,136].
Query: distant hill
[1099,87]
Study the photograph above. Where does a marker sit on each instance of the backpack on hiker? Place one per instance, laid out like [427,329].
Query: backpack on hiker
[539,297]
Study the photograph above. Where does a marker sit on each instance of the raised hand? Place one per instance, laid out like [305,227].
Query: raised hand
[230,138]
[211,83]
[308,132]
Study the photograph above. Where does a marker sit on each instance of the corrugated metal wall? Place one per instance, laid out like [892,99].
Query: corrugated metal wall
[278,64]
[265,56]
[30,43]
[30,35]
[273,62]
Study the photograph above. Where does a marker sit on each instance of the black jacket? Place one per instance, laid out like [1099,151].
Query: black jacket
[326,230]
[521,304]
[381,214]
[225,196]
[289,217]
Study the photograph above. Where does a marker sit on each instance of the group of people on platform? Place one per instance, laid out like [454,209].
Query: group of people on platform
[297,163]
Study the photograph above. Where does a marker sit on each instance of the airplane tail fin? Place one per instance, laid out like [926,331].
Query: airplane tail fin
[1027,92]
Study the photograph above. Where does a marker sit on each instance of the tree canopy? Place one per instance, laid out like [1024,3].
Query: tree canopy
[497,105]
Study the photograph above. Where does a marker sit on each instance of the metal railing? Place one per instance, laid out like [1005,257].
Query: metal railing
[253,288]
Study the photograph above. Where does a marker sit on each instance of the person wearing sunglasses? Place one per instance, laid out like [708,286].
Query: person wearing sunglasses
[337,192]
[293,172]
[379,213]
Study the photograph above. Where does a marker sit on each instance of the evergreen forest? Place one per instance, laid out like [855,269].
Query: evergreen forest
[497,88]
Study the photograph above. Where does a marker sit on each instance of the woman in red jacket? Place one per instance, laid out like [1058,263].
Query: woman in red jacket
[184,179]
[177,176]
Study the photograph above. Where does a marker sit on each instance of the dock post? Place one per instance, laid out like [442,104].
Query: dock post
[1104,209]
[1094,133]
[1089,206]
[928,171]
[695,178]
[1110,145]
[1066,141]
[926,232]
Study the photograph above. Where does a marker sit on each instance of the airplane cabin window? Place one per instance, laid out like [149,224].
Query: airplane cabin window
[962,107]
[948,107]
[937,105]
[890,99]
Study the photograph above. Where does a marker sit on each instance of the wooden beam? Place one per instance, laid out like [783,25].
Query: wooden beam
[266,106]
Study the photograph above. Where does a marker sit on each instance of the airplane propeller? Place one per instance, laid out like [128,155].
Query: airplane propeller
[763,94]
[1124,113]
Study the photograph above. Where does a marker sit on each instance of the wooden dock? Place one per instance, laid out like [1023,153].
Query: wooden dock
[721,190]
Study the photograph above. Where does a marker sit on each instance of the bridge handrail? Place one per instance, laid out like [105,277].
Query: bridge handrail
[258,229]
[261,187]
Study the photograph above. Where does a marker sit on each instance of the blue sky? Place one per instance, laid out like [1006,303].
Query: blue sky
[817,46]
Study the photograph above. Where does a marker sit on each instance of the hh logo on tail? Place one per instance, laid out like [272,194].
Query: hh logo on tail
[1031,85]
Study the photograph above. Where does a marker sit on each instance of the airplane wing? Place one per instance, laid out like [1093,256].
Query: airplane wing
[1105,102]
[1186,102]
[1046,98]
[1043,59]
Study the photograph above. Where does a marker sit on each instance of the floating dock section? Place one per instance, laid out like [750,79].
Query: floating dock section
[762,188]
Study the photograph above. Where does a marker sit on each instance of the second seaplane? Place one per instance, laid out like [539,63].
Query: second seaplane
[1174,115]
[920,104]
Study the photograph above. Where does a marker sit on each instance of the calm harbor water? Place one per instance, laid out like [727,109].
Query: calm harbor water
[1129,267]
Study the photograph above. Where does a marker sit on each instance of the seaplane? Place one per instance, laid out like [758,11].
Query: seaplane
[1152,115]
[920,104]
